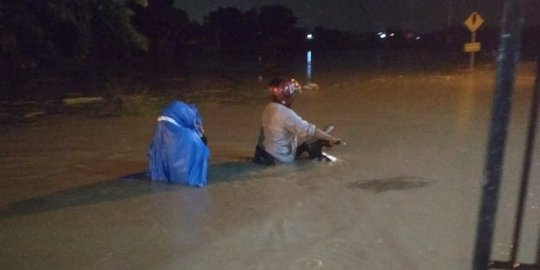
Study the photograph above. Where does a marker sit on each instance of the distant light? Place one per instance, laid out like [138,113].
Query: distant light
[309,36]
[383,35]
[392,34]
[417,38]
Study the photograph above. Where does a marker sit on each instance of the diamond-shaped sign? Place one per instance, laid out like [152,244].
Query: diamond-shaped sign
[474,21]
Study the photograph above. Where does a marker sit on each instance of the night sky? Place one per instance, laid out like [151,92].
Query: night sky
[366,15]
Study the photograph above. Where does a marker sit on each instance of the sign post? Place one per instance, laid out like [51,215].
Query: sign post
[472,23]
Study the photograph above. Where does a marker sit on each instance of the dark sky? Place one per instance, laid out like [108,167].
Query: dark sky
[366,15]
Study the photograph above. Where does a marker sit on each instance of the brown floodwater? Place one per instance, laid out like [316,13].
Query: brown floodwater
[403,194]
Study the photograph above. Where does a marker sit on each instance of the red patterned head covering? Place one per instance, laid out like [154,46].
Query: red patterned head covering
[281,89]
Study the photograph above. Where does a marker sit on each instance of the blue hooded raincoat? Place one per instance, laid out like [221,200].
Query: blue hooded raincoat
[176,153]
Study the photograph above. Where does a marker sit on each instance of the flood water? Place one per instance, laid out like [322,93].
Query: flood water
[404,193]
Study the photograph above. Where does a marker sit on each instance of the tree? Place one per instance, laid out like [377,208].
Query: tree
[168,29]
[42,34]
[223,28]
[277,20]
[269,31]
[278,32]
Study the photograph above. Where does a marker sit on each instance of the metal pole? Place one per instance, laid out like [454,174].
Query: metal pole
[473,39]
[507,59]
[526,168]
[537,91]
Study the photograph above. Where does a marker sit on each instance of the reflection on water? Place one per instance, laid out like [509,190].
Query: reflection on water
[232,170]
[465,106]
[186,211]
[308,65]
[128,187]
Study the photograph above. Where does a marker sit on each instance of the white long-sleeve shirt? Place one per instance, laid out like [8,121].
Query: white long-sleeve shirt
[281,128]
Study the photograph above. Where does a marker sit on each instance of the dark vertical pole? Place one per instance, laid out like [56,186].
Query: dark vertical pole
[538,251]
[533,119]
[537,93]
[508,57]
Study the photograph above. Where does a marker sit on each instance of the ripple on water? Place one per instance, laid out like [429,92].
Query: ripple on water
[387,184]
[332,254]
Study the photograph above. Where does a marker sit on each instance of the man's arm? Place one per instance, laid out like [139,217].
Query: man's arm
[303,128]
[321,135]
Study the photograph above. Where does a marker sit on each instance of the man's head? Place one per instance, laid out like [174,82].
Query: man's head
[283,90]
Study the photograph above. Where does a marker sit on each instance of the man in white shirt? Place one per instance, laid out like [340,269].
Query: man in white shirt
[284,134]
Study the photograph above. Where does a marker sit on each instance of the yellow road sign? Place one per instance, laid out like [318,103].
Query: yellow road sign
[474,21]
[471,47]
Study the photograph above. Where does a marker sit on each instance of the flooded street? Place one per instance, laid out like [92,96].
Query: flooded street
[404,193]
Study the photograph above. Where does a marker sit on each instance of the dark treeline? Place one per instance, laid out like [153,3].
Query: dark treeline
[88,41]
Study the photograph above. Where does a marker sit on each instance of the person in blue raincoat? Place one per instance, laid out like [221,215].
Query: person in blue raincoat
[178,152]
